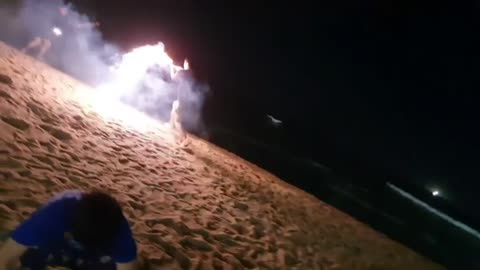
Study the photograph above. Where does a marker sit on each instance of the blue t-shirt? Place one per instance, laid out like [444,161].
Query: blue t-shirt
[47,229]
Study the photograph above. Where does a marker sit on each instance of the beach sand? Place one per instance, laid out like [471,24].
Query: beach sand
[194,207]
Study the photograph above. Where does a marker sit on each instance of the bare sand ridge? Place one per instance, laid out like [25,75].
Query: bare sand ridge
[190,208]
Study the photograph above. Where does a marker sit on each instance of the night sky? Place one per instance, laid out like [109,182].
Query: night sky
[378,91]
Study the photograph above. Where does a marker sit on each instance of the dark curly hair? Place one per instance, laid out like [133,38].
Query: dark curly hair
[96,220]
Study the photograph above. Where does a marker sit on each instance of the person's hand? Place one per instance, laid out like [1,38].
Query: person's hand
[88,25]
[10,252]
[57,268]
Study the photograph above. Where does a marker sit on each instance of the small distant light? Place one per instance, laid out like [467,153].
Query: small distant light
[274,121]
[57,31]
[435,193]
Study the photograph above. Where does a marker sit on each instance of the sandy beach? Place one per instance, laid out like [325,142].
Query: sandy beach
[195,207]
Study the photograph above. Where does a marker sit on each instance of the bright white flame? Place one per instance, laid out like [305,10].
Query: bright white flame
[57,31]
[134,65]
[126,74]
[435,193]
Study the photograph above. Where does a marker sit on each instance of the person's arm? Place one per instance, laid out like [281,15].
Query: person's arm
[127,266]
[10,252]
[88,25]
[34,231]
[124,251]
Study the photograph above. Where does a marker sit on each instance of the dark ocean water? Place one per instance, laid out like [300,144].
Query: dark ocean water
[371,202]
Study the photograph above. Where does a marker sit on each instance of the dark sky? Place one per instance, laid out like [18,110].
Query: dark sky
[384,91]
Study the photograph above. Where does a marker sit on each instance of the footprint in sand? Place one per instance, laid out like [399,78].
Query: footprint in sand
[9,163]
[226,240]
[195,244]
[137,206]
[184,262]
[57,133]
[179,227]
[239,205]
[31,143]
[72,156]
[44,159]
[25,173]
[188,150]
[5,79]
[239,228]
[36,108]
[5,95]
[16,122]
[49,145]
[10,204]
[116,149]
[258,231]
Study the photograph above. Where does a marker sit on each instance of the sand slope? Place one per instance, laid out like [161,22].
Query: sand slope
[190,208]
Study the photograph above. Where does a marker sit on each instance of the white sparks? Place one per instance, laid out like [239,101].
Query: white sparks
[131,70]
[135,64]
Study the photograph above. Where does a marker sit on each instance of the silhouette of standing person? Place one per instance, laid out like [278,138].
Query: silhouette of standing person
[181,81]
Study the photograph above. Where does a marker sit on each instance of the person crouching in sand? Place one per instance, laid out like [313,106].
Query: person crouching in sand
[77,230]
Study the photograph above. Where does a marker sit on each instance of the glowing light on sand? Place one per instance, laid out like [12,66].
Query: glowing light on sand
[131,69]
[114,110]
[57,31]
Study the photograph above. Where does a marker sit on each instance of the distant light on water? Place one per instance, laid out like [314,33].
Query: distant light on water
[274,121]
[434,211]
[435,193]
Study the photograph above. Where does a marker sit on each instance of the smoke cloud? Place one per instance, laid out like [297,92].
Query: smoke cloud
[82,53]
[79,51]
